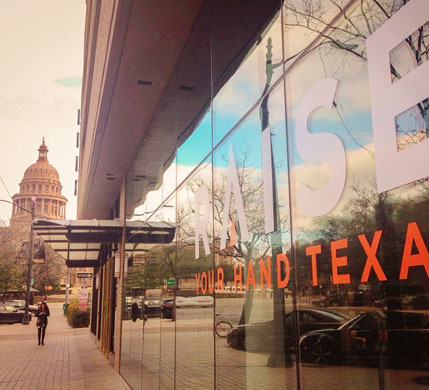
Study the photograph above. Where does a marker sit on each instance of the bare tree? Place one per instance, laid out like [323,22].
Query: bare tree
[359,19]
[11,274]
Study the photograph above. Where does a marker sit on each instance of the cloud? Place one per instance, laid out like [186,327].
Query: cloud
[53,109]
[73,81]
[360,173]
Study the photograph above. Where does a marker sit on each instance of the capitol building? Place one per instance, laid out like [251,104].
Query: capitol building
[41,183]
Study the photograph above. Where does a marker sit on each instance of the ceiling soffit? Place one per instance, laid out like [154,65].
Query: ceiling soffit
[155,37]
[234,30]
[167,49]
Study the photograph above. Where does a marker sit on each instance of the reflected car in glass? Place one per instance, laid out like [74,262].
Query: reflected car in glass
[394,303]
[152,306]
[394,336]
[420,302]
[167,309]
[325,300]
[199,301]
[10,314]
[259,336]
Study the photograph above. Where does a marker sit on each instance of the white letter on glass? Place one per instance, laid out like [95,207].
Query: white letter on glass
[233,182]
[320,147]
[201,196]
[395,168]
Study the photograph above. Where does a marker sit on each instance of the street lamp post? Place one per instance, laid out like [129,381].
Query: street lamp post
[26,318]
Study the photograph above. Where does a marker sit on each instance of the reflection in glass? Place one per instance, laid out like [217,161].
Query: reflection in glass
[350,258]
[256,294]
[242,53]
[195,283]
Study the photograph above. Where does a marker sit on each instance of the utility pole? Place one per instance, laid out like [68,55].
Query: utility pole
[67,286]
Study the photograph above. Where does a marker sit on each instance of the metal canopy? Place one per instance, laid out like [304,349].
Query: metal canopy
[79,242]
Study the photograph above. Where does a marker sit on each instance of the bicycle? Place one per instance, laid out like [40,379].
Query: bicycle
[222,328]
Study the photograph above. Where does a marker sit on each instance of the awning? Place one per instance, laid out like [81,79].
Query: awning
[79,242]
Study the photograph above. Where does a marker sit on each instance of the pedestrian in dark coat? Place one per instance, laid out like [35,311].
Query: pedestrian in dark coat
[135,312]
[42,321]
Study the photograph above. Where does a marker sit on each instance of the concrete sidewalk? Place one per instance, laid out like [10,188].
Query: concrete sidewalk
[68,360]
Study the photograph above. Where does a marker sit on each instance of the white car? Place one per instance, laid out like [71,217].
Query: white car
[198,301]
[20,305]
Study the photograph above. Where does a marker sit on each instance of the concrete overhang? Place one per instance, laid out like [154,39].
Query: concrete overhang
[146,86]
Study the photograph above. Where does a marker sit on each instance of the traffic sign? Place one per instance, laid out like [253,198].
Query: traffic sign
[171,282]
[84,275]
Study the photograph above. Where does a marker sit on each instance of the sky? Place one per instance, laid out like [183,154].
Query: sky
[41,68]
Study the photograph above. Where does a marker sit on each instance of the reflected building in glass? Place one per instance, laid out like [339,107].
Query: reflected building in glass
[285,143]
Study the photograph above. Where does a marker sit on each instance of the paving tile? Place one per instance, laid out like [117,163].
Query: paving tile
[69,360]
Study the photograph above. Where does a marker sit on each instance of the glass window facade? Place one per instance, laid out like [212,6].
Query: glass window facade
[300,198]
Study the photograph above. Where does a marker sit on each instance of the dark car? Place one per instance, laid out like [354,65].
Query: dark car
[420,302]
[152,306]
[326,300]
[20,305]
[167,309]
[257,336]
[394,303]
[397,336]
[10,314]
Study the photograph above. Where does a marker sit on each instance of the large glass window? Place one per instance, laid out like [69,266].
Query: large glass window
[351,236]
[299,197]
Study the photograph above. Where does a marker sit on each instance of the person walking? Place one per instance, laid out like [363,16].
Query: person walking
[135,311]
[42,321]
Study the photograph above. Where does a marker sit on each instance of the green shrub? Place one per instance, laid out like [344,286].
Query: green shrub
[72,304]
[77,318]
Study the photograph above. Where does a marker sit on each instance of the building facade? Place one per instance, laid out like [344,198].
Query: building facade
[42,183]
[286,141]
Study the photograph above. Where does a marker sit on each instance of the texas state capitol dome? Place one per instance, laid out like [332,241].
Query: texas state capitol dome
[42,183]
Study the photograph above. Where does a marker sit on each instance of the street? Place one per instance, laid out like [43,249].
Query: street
[69,359]
[149,353]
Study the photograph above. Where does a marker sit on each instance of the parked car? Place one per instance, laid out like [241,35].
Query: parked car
[325,301]
[202,301]
[152,306]
[20,305]
[391,335]
[167,309]
[185,302]
[10,314]
[394,303]
[257,336]
[198,301]
[421,302]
